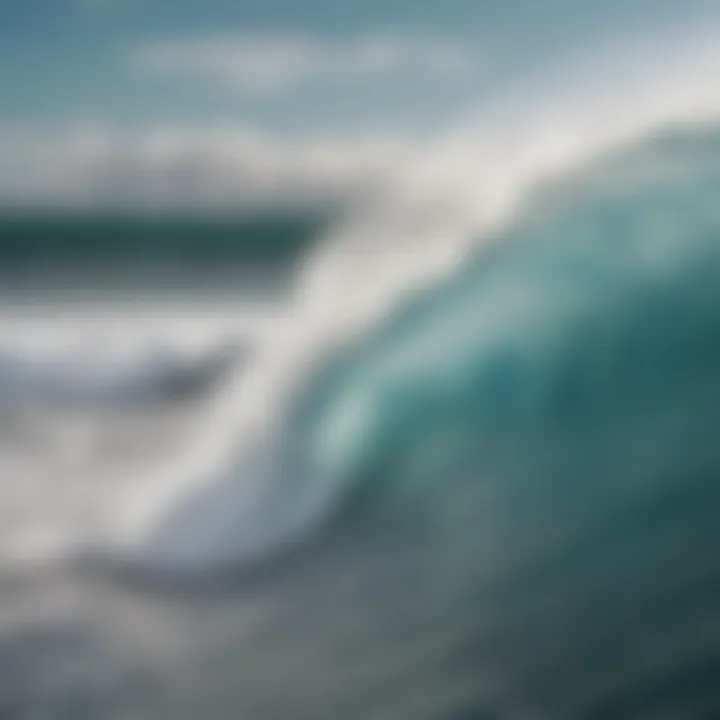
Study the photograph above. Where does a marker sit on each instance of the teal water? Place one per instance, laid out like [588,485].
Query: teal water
[32,239]
[49,256]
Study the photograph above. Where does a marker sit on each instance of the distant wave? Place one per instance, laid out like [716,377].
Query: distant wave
[160,376]
[46,239]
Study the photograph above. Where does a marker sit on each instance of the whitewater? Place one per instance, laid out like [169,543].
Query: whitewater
[466,469]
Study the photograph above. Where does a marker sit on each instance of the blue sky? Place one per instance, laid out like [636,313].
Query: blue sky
[291,67]
[68,59]
[64,60]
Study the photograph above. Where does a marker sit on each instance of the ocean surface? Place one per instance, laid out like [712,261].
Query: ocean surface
[452,455]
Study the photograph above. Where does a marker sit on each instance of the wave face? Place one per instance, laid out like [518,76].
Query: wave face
[591,319]
[530,449]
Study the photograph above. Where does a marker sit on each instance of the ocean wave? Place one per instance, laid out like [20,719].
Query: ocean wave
[501,500]
[470,471]
[571,359]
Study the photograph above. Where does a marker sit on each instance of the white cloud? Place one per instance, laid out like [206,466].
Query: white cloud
[96,165]
[274,63]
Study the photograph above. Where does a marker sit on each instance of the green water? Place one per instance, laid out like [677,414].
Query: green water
[41,240]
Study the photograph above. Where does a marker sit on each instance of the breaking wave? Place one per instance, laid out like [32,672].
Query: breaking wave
[570,356]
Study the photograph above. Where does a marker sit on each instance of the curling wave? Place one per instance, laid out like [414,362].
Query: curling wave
[573,357]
